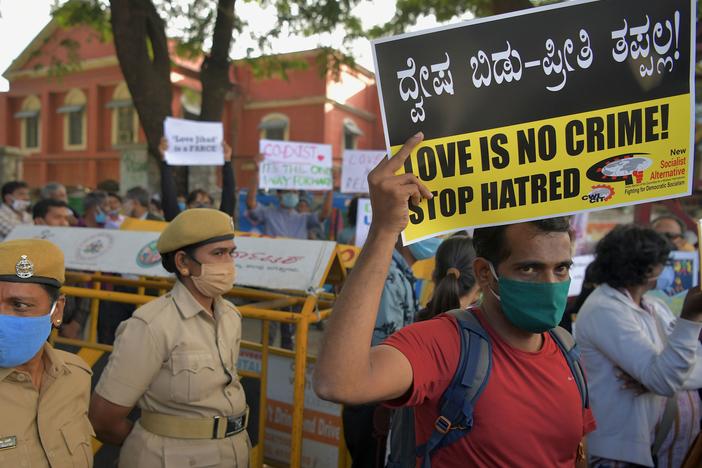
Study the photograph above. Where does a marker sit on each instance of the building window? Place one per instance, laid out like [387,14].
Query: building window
[74,120]
[29,123]
[274,127]
[75,127]
[31,132]
[125,124]
[351,134]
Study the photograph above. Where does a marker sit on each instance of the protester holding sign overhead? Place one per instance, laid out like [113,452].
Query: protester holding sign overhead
[531,412]
[284,220]
[195,198]
[176,358]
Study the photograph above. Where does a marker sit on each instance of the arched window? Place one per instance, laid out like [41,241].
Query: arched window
[74,120]
[125,124]
[275,127]
[30,124]
[351,134]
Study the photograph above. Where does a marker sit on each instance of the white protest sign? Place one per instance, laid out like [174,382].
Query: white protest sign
[364,216]
[261,262]
[295,165]
[355,168]
[577,273]
[193,143]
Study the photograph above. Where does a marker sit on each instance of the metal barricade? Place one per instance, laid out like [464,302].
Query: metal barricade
[265,307]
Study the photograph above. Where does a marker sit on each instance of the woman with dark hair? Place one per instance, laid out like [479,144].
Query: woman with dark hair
[455,285]
[641,362]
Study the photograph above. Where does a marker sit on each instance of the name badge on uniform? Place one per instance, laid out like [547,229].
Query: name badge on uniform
[8,442]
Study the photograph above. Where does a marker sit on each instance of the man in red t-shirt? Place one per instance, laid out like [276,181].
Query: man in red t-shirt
[530,413]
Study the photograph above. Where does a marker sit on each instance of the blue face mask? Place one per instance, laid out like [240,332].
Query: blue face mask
[100,218]
[22,337]
[425,248]
[181,206]
[290,200]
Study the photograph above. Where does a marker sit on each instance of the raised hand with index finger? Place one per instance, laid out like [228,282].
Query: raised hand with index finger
[390,193]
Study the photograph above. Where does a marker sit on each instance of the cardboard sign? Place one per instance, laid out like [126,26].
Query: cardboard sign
[268,263]
[193,143]
[321,432]
[578,106]
[294,165]
[364,216]
[355,167]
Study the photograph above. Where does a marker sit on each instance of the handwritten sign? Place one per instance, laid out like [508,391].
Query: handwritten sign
[268,263]
[355,167]
[364,216]
[573,107]
[192,143]
[295,165]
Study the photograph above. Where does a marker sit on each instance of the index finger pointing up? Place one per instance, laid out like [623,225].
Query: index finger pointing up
[396,162]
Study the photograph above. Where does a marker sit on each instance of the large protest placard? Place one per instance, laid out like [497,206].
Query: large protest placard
[295,165]
[289,264]
[364,216]
[572,107]
[355,166]
[193,143]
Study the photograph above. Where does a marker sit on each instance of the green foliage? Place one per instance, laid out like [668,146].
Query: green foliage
[93,13]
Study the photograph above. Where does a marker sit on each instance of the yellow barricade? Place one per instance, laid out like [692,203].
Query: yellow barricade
[265,307]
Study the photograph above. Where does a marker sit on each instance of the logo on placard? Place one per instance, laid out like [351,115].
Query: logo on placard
[600,193]
[94,246]
[148,256]
[627,168]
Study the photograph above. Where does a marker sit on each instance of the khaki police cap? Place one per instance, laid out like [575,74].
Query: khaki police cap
[32,261]
[196,226]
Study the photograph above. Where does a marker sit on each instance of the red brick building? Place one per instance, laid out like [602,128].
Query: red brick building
[80,127]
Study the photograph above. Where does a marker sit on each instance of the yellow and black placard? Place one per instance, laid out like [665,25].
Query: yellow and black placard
[581,106]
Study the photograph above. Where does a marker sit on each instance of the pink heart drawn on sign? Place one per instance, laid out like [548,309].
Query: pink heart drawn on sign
[320,157]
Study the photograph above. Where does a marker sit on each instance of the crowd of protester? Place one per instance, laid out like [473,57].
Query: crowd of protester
[384,351]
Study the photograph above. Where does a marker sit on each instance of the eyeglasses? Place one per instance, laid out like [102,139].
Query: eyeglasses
[672,236]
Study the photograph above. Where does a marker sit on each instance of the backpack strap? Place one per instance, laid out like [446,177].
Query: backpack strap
[566,343]
[471,377]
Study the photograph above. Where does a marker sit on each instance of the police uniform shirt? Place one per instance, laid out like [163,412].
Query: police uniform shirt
[48,427]
[174,358]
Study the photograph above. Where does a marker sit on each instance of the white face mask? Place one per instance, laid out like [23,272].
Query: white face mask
[20,205]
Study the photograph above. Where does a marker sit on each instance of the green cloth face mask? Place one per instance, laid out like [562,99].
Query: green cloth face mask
[533,307]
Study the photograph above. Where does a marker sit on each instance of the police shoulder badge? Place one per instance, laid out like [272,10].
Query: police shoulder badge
[24,268]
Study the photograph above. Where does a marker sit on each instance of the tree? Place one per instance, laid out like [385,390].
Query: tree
[139,33]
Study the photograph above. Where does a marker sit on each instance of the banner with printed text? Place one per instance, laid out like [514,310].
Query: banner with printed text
[550,111]
[292,165]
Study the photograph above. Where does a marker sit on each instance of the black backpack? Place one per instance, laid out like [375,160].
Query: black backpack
[456,416]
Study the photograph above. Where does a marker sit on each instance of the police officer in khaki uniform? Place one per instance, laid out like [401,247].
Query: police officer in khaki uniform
[44,392]
[176,358]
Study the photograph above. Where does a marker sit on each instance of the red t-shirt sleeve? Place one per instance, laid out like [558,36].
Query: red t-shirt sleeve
[433,349]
